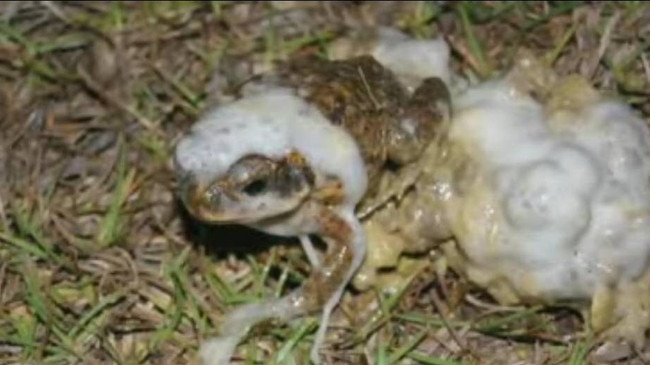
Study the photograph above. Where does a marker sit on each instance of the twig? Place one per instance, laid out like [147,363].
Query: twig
[437,303]
[605,39]
[367,86]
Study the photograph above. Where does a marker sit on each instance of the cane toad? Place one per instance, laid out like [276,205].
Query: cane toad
[293,156]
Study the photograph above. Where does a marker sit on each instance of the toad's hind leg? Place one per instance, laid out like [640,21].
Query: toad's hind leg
[346,247]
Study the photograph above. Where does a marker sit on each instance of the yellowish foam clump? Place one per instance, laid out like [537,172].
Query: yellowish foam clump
[557,204]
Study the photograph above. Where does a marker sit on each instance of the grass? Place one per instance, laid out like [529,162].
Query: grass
[480,64]
[99,265]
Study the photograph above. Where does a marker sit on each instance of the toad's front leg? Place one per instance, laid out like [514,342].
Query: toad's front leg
[345,252]
[346,247]
[412,143]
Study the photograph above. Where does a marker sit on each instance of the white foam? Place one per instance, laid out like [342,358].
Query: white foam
[555,211]
[412,59]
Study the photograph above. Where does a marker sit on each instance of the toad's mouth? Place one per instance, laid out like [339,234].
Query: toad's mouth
[217,207]
[196,201]
[222,218]
[209,216]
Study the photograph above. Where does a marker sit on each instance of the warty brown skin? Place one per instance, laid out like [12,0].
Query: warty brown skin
[366,99]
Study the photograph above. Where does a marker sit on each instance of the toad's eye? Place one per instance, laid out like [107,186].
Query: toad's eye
[255,187]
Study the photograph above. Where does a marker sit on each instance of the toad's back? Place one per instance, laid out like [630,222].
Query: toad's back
[367,100]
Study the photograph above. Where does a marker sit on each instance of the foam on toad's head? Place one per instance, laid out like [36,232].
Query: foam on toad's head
[270,124]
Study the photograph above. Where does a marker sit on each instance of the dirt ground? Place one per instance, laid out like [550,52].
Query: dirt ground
[100,265]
